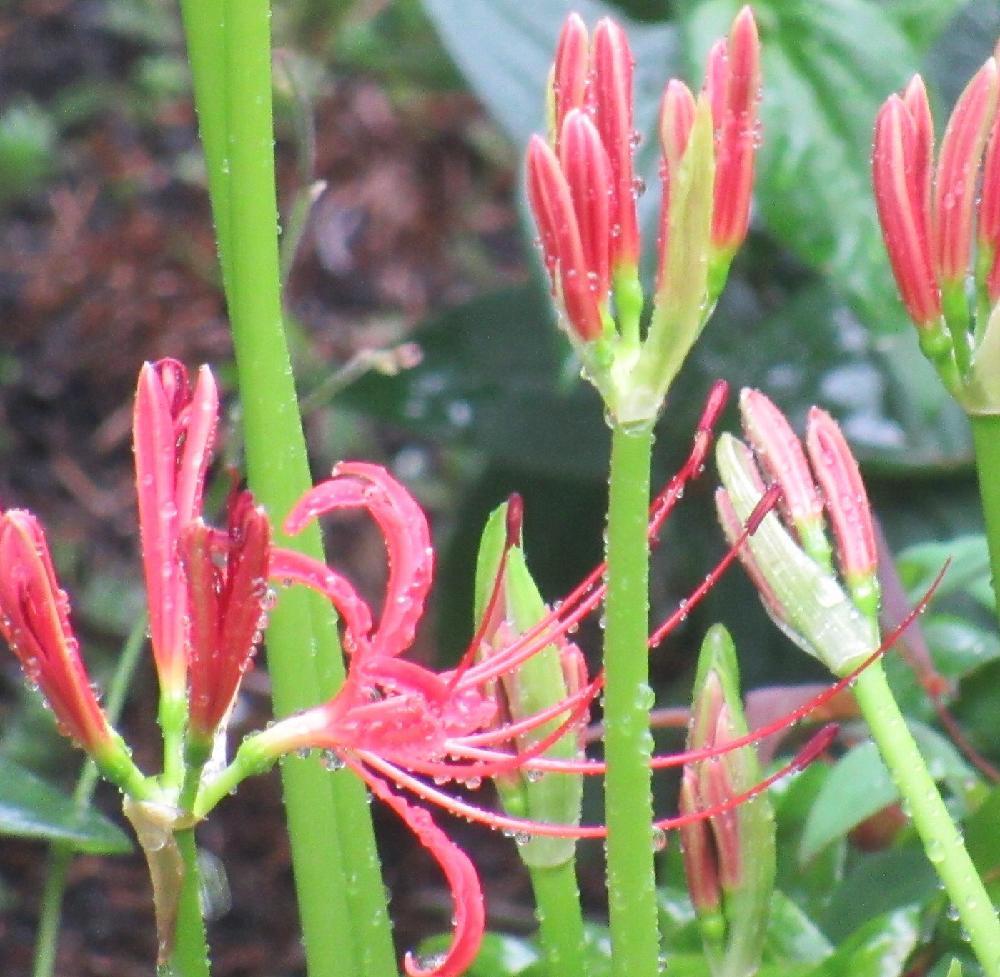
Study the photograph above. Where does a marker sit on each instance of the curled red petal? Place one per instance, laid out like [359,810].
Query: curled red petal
[460,873]
[287,566]
[358,485]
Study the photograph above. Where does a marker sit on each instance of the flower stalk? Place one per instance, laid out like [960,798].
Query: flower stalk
[833,619]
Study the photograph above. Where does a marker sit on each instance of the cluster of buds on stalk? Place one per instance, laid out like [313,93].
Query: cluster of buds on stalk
[582,189]
[941,224]
[832,616]
[729,859]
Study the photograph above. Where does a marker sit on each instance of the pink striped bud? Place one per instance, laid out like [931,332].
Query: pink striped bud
[900,174]
[847,506]
[780,453]
[733,86]
[955,183]
[989,213]
[677,110]
[569,73]
[588,173]
[552,203]
[612,91]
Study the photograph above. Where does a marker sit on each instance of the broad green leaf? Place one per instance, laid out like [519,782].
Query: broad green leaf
[877,883]
[792,937]
[31,808]
[968,569]
[983,840]
[858,786]
[921,20]
[501,955]
[879,949]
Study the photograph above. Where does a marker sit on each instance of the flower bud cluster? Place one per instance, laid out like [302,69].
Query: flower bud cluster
[941,225]
[832,616]
[582,189]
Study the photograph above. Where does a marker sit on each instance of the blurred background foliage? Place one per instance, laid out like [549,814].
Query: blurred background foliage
[422,328]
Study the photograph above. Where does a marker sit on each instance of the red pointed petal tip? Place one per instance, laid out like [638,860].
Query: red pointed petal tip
[903,209]
[734,110]
[677,109]
[612,90]
[228,595]
[34,620]
[357,485]
[955,183]
[552,204]
[780,452]
[846,498]
[572,65]
[588,173]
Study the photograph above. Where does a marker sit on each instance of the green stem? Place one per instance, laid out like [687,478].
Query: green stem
[189,957]
[560,922]
[61,853]
[204,32]
[941,838]
[635,941]
[986,437]
[303,654]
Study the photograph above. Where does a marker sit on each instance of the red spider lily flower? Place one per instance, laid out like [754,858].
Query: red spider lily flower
[226,576]
[34,620]
[401,725]
[732,83]
[174,428]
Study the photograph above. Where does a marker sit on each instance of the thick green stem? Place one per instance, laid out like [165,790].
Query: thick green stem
[189,957]
[986,436]
[941,838]
[333,844]
[635,940]
[560,922]
[61,853]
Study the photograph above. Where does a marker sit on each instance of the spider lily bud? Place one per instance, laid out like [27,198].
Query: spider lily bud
[732,83]
[729,859]
[228,593]
[508,604]
[582,190]
[928,227]
[34,620]
[802,595]
[173,432]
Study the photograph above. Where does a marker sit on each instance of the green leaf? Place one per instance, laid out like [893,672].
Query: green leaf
[792,937]
[858,786]
[31,808]
[878,883]
[879,949]
[921,20]
[968,569]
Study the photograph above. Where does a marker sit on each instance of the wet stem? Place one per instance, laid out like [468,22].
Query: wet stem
[338,881]
[986,437]
[61,853]
[940,837]
[635,942]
